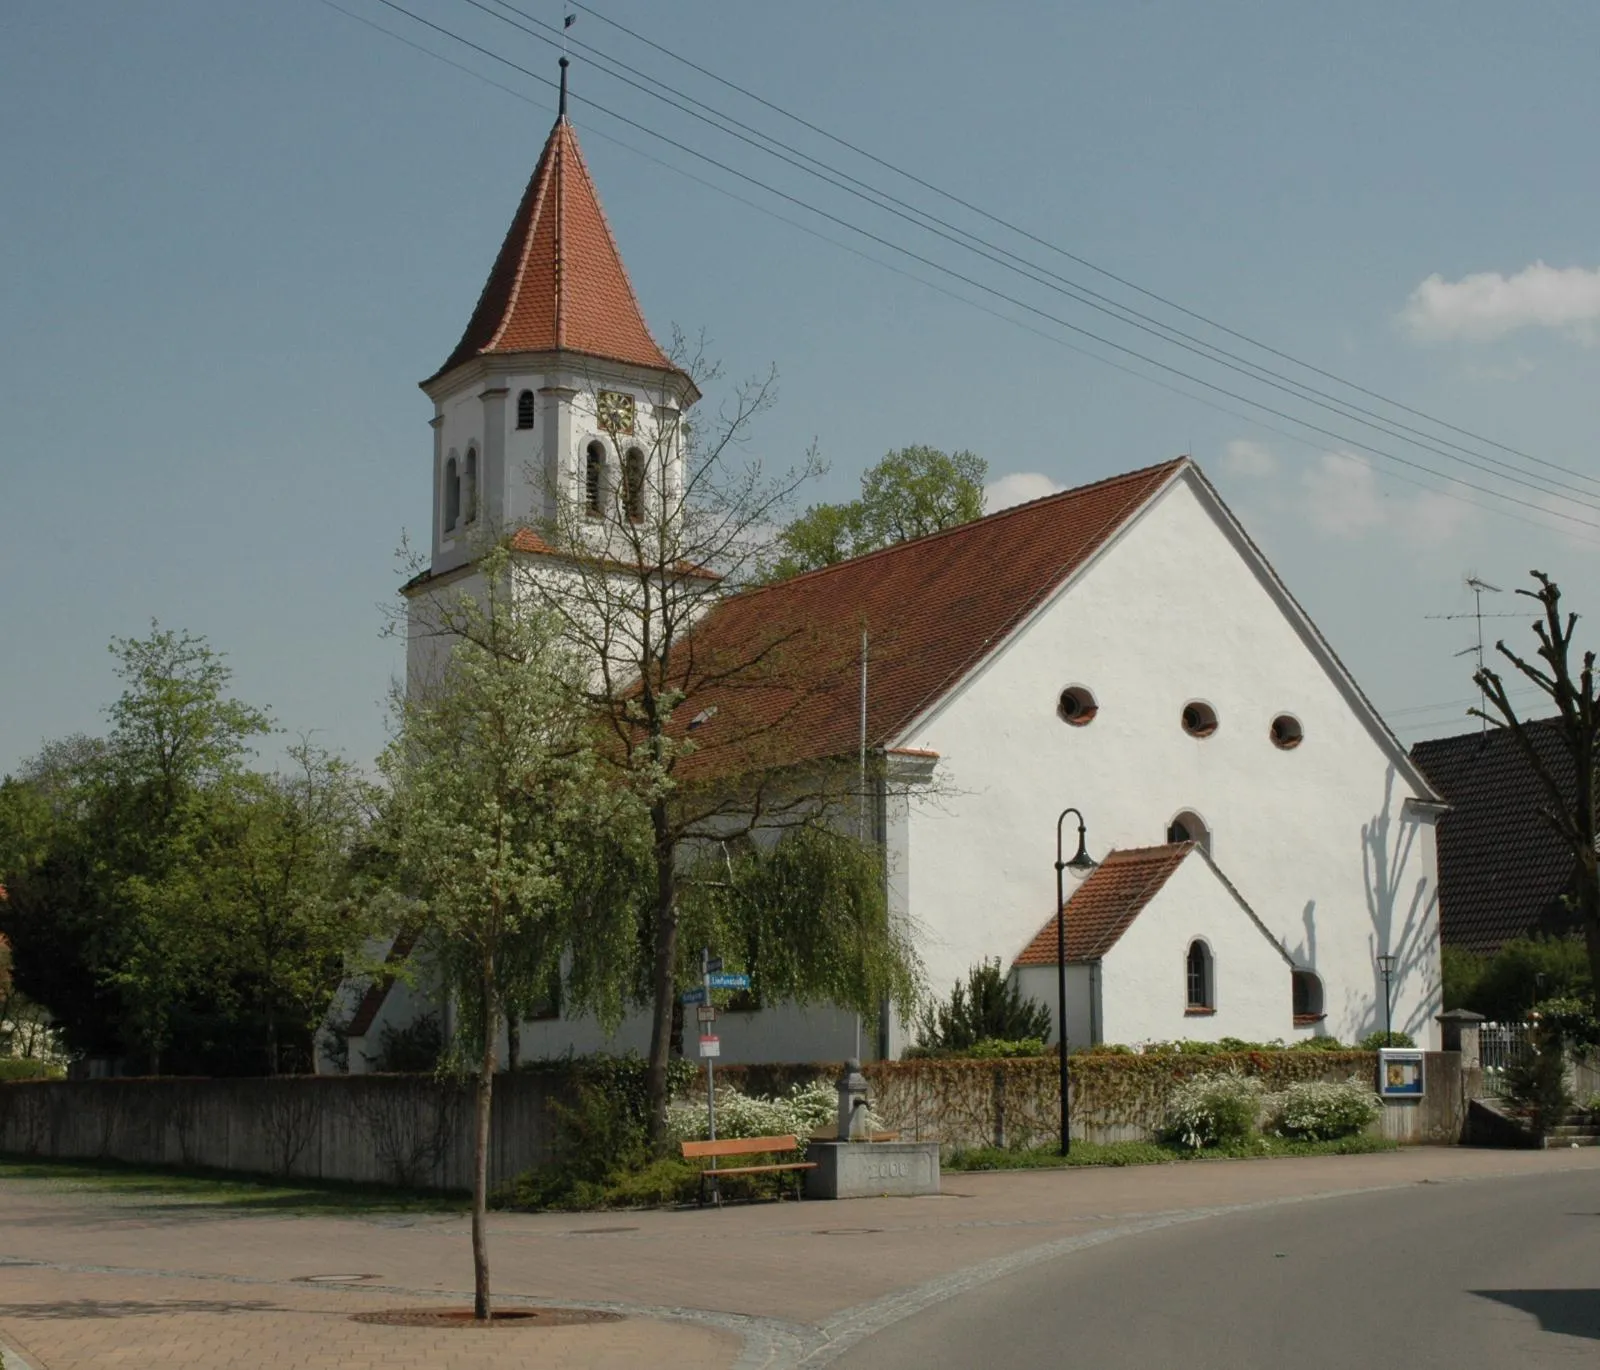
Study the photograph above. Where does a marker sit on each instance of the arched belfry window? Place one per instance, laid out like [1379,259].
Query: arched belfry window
[1201,987]
[525,409]
[1307,989]
[594,478]
[452,495]
[633,478]
[469,486]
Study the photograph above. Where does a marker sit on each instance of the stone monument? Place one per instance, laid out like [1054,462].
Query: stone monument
[855,1166]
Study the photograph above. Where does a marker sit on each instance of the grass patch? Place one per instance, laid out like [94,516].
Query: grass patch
[1156,1153]
[203,1189]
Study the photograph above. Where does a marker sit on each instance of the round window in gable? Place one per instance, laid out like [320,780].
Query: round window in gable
[1287,734]
[1076,706]
[1199,720]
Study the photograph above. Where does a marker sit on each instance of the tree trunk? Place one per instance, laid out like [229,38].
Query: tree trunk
[480,1153]
[663,976]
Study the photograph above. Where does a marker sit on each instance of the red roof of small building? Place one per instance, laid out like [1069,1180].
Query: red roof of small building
[1104,906]
[932,608]
[558,283]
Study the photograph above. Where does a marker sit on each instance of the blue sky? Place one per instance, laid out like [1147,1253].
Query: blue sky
[237,235]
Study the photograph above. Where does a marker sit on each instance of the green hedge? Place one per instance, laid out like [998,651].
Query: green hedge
[18,1068]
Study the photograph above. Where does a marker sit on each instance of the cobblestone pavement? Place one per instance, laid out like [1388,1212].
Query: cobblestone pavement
[92,1279]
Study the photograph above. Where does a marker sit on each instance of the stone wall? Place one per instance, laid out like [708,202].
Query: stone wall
[405,1130]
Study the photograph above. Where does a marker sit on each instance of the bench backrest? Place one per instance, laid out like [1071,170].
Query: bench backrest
[739,1146]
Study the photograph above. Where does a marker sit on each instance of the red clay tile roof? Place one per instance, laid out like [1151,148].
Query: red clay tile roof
[372,1001]
[1111,896]
[932,608]
[559,282]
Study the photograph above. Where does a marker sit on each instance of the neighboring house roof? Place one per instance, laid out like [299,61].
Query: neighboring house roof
[1106,902]
[371,1004]
[1502,869]
[558,283]
[1116,892]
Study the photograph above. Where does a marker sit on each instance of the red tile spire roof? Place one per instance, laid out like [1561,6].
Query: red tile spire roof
[558,283]
[1104,906]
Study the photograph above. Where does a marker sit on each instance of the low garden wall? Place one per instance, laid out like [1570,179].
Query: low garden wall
[1114,1098]
[415,1132]
[405,1130]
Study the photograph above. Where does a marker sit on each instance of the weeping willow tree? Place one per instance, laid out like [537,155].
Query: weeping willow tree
[806,916]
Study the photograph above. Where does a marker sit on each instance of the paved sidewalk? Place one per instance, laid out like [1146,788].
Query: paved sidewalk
[89,1279]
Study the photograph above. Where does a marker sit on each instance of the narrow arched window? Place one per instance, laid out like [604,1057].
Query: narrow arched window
[452,495]
[594,478]
[633,478]
[525,409]
[1188,826]
[1201,991]
[1307,997]
[469,487]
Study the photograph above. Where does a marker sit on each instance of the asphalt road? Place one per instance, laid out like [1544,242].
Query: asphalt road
[1500,1273]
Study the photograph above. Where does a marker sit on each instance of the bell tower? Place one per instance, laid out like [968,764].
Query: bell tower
[557,403]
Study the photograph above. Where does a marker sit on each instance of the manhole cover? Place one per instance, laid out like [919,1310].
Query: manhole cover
[332,1279]
[598,1231]
[503,1317]
[846,1231]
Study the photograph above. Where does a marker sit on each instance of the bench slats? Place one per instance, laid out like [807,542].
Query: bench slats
[739,1146]
[756,1169]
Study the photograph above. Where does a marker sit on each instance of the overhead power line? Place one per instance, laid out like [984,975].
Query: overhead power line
[1497,495]
[1012,227]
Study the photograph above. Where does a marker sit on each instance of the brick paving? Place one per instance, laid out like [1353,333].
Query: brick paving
[175,1283]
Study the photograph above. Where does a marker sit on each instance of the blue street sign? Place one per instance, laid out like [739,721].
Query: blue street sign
[694,996]
[728,980]
[713,964]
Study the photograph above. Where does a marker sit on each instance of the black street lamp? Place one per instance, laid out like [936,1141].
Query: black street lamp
[1386,965]
[1081,862]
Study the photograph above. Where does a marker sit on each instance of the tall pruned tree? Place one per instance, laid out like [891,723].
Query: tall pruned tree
[636,565]
[1569,685]
[497,816]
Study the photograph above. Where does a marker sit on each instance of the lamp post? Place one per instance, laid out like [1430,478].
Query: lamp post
[1081,862]
[1386,965]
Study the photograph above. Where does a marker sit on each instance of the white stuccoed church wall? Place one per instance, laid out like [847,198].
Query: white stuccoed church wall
[1319,840]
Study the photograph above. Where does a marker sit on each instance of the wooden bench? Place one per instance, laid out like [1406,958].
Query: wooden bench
[745,1146]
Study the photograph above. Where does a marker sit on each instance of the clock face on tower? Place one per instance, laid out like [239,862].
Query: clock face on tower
[615,411]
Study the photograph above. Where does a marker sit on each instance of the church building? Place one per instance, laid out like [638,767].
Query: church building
[1263,842]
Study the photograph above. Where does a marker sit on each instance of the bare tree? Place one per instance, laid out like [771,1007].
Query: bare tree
[661,527]
[1569,808]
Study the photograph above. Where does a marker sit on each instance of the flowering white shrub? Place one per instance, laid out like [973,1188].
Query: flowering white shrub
[1318,1110]
[803,1110]
[1224,1106]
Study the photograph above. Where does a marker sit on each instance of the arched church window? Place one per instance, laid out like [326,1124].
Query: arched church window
[1201,989]
[633,479]
[452,495]
[525,409]
[594,478]
[1188,826]
[469,486]
[1307,997]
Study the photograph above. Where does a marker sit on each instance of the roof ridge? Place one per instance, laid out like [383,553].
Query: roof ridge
[1007,512]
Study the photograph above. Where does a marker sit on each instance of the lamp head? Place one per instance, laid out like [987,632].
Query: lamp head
[1386,963]
[1082,861]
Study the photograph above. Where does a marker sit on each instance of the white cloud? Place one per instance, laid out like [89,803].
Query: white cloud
[1487,305]
[1342,496]
[1017,488]
[1242,457]
[1343,500]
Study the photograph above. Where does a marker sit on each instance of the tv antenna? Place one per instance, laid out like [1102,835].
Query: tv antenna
[1478,585]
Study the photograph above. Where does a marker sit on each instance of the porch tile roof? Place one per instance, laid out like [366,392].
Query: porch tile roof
[1103,907]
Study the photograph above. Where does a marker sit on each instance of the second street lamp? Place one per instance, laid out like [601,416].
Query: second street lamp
[1386,967]
[1081,862]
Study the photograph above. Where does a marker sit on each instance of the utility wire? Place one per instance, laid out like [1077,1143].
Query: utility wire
[1061,251]
[650,86]
[901,250]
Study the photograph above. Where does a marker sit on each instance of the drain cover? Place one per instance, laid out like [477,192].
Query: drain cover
[503,1317]
[332,1279]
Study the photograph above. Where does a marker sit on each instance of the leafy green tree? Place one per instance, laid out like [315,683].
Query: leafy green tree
[1504,986]
[912,492]
[1570,687]
[495,795]
[988,1007]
